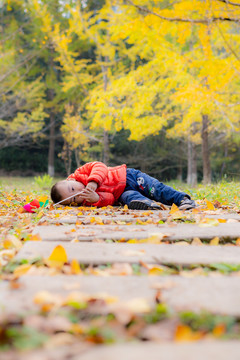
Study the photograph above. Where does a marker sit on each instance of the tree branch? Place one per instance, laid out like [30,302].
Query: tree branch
[229,2]
[194,21]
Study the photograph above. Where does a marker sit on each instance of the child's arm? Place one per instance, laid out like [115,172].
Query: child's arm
[96,172]
[99,172]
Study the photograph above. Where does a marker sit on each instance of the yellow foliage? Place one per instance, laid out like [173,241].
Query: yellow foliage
[73,129]
[150,71]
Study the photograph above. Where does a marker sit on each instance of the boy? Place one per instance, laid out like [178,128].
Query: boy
[98,185]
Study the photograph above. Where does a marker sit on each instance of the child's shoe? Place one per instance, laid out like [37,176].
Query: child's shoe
[187,204]
[143,205]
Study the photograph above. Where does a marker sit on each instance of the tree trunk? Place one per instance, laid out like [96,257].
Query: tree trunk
[105,133]
[180,162]
[205,151]
[76,153]
[192,164]
[51,150]
[180,171]
[66,155]
[105,148]
[224,161]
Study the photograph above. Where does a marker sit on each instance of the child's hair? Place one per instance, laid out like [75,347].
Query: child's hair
[55,194]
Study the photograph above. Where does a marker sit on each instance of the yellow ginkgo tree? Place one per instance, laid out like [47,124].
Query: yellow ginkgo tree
[75,137]
[183,72]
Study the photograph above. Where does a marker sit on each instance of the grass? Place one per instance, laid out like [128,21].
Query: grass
[26,184]
[223,191]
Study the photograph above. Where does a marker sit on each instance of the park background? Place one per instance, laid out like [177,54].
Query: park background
[153,84]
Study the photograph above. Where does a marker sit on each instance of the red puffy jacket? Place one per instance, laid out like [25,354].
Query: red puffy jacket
[111,181]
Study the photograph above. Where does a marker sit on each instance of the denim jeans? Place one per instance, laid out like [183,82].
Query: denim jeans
[140,186]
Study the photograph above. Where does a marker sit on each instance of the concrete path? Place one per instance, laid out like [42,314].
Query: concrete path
[102,253]
[219,295]
[172,232]
[133,217]
[207,350]
[151,351]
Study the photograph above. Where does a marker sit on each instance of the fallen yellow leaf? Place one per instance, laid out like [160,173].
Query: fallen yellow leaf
[12,241]
[207,222]
[28,199]
[196,241]
[47,301]
[210,205]
[40,214]
[182,243]
[75,240]
[154,238]
[195,211]
[238,242]
[96,220]
[58,254]
[21,270]
[35,237]
[150,240]
[42,198]
[155,270]
[7,244]
[131,241]
[219,330]
[174,209]
[7,254]
[215,241]
[75,268]
[76,329]
[185,333]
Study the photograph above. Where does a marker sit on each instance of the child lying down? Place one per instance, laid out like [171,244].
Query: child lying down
[95,184]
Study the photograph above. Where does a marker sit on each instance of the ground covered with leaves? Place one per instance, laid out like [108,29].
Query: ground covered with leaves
[101,319]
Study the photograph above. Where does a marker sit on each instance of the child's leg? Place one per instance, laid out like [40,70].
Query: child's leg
[153,188]
[138,200]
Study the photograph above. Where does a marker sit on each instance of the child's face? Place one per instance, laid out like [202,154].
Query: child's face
[68,188]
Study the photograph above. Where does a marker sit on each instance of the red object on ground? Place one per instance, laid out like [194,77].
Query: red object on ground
[35,204]
[31,206]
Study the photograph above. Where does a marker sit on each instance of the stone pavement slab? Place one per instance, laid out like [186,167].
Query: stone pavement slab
[101,253]
[133,217]
[59,352]
[105,219]
[207,350]
[215,294]
[71,217]
[175,232]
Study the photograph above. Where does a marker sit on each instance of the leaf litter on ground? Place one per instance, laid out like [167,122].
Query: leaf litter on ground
[85,318]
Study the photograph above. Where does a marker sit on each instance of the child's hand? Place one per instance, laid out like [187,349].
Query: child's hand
[92,185]
[90,195]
